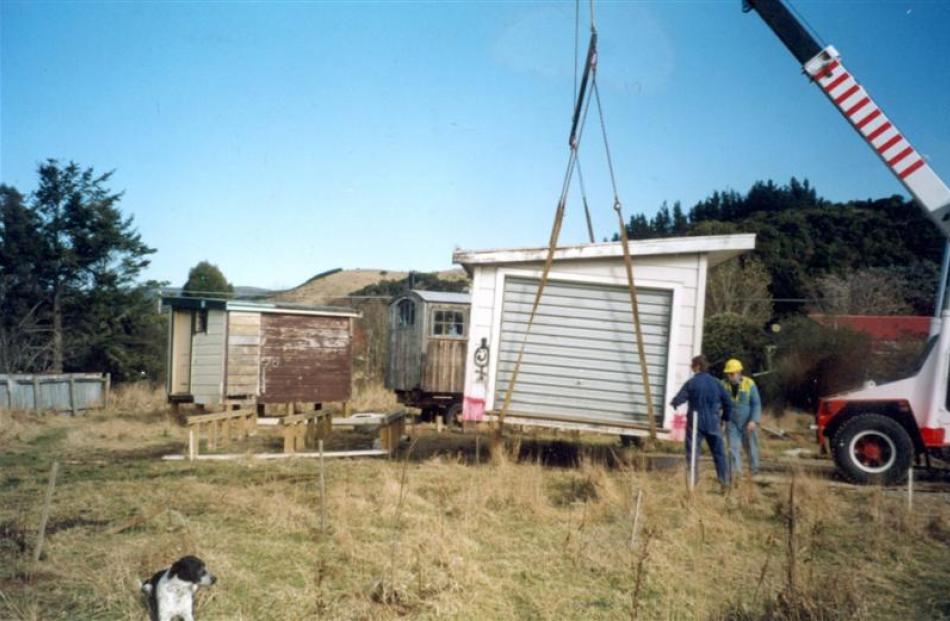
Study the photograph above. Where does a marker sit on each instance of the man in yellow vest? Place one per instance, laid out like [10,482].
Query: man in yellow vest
[746,414]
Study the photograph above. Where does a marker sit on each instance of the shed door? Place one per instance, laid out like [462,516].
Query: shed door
[580,360]
[181,352]
[406,321]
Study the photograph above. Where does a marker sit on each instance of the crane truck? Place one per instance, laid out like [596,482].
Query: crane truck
[875,434]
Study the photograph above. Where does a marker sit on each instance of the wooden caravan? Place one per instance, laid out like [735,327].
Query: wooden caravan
[427,350]
[581,367]
[226,351]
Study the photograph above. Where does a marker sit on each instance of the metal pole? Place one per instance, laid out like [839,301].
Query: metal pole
[692,456]
[910,488]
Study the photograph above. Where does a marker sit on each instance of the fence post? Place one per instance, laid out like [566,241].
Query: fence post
[106,388]
[36,393]
[10,385]
[72,395]
[41,532]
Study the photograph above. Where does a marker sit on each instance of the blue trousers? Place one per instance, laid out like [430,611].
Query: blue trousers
[741,438]
[717,447]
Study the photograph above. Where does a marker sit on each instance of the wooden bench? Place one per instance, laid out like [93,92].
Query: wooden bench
[391,427]
[220,426]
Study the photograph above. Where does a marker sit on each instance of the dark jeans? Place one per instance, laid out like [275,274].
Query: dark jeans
[717,447]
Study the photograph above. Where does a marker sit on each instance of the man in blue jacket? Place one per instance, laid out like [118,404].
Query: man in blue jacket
[706,397]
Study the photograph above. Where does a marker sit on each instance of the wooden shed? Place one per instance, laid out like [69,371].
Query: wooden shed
[427,345]
[581,368]
[227,351]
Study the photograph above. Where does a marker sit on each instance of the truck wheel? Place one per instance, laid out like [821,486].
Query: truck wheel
[453,415]
[872,448]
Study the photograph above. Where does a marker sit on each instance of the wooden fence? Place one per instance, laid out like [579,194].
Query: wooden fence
[59,392]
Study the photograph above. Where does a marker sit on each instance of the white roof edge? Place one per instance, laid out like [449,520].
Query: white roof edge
[271,308]
[721,247]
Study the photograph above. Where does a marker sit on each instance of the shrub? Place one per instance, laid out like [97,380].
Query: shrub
[728,335]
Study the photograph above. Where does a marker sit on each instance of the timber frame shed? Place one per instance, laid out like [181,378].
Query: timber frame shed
[223,352]
[580,368]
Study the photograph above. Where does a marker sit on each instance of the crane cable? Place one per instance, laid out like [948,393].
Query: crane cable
[582,106]
[581,109]
[628,265]
[580,175]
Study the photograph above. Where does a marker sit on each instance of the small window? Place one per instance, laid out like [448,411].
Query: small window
[199,322]
[407,313]
[448,323]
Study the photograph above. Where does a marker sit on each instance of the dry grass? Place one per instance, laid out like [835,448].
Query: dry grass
[374,398]
[439,537]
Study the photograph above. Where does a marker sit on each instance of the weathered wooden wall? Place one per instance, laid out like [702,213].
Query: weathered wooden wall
[244,354]
[444,366]
[305,358]
[207,361]
[56,392]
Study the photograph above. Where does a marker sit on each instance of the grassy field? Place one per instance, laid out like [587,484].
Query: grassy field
[432,534]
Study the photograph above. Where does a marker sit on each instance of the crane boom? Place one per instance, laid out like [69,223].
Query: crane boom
[824,67]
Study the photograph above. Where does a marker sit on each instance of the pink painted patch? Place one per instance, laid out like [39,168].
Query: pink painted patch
[473,409]
[678,432]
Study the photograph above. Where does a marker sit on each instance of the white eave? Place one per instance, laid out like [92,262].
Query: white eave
[718,248]
[259,307]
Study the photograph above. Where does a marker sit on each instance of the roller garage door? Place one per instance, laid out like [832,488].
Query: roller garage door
[580,360]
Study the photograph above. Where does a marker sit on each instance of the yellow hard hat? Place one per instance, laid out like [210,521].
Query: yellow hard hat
[732,366]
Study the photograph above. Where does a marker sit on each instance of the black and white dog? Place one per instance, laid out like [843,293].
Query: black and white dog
[170,593]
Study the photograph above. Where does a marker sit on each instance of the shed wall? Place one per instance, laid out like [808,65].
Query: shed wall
[305,358]
[207,360]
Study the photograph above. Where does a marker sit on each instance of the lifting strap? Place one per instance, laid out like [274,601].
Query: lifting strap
[577,125]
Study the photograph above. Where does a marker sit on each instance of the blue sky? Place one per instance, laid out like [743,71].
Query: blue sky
[280,140]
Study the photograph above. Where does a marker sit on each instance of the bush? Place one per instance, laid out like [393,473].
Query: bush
[812,361]
[728,335]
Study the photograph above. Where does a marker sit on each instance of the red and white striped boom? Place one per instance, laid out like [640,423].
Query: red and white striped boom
[881,134]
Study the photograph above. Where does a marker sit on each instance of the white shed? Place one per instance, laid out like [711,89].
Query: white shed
[580,368]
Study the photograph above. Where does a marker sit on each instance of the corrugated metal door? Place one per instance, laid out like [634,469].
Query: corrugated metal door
[580,361]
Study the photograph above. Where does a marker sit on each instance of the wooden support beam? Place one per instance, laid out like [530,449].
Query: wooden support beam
[288,439]
[268,456]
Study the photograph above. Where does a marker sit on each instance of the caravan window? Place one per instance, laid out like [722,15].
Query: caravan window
[448,323]
[407,313]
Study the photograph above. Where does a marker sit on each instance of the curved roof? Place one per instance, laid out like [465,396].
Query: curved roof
[444,297]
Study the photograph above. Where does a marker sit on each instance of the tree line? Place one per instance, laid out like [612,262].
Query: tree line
[861,257]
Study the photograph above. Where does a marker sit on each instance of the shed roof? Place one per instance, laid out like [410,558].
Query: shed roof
[719,248]
[444,297]
[256,307]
